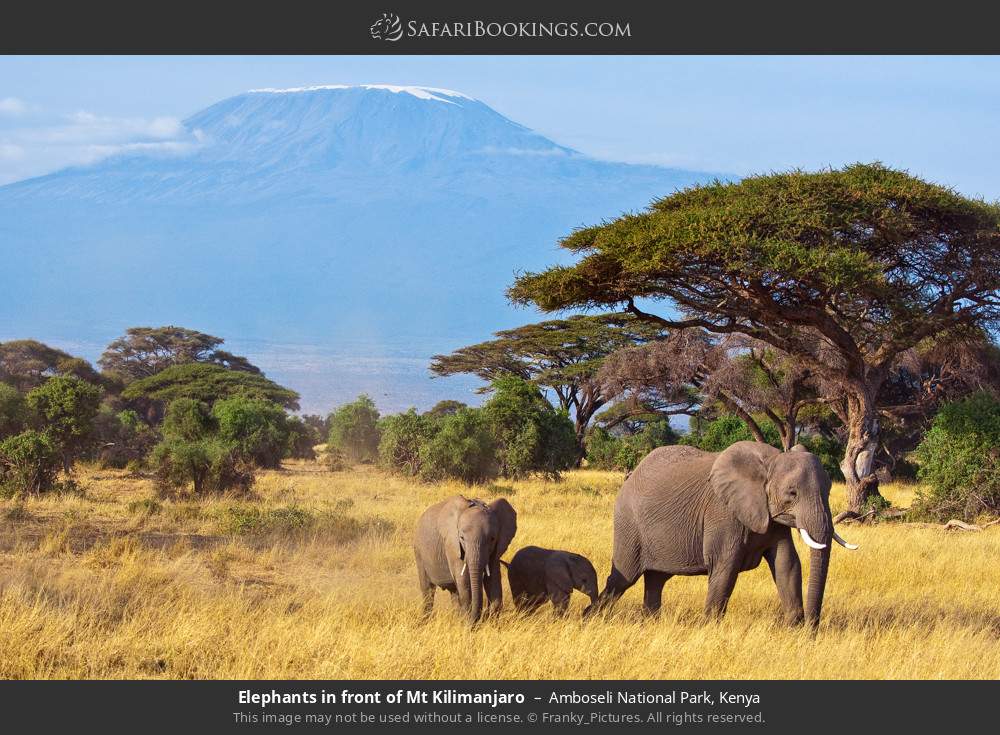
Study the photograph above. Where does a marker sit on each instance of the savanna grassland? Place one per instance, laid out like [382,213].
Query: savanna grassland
[314,578]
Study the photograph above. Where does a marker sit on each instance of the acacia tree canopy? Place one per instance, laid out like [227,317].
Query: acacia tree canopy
[26,364]
[843,269]
[562,354]
[207,383]
[145,351]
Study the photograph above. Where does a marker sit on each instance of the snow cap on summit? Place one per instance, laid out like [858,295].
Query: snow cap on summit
[424,93]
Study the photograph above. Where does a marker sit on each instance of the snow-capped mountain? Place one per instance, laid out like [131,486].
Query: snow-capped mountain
[377,220]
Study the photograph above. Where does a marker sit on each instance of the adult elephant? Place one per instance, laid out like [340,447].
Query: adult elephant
[457,543]
[688,512]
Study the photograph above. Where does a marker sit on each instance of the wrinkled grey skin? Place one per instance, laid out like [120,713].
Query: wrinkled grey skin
[538,575]
[458,544]
[688,512]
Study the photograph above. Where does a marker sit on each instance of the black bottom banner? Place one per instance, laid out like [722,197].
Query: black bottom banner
[496,706]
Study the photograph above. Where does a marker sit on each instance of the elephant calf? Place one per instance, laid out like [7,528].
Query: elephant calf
[457,543]
[537,575]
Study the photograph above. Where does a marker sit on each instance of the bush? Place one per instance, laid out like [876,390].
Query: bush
[29,462]
[403,436]
[829,451]
[190,419]
[602,449]
[606,451]
[301,439]
[67,406]
[726,430]
[959,460]
[193,452]
[13,411]
[463,449]
[334,460]
[354,430]
[256,427]
[530,435]
[210,465]
[122,439]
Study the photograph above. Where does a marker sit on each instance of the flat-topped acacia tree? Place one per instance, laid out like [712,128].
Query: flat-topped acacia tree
[562,354]
[842,269]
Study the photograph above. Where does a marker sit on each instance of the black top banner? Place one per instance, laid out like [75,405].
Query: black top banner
[513,27]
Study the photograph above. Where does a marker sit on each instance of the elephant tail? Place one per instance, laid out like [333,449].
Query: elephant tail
[505,563]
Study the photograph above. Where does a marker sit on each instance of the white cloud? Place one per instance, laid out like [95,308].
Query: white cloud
[12,106]
[82,138]
[10,152]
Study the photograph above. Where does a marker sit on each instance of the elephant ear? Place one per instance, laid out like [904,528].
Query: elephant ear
[738,476]
[507,522]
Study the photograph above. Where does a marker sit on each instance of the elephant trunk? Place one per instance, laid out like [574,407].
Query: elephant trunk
[819,563]
[819,526]
[475,571]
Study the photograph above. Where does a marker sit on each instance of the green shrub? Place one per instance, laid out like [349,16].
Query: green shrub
[829,451]
[193,453]
[13,411]
[462,449]
[726,430]
[402,437]
[530,435]
[121,439]
[354,430]
[29,462]
[256,427]
[301,439]
[67,407]
[602,449]
[959,460]
[609,452]
[209,465]
[190,419]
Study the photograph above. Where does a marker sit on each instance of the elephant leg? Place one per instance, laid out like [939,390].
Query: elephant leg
[653,595]
[560,601]
[426,590]
[721,581]
[529,603]
[787,574]
[614,588]
[494,590]
[455,600]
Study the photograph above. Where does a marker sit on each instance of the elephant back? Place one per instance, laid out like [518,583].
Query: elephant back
[664,468]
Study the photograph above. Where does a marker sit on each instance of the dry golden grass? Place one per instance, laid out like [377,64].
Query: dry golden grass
[316,580]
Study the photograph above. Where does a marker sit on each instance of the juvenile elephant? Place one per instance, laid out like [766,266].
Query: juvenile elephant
[688,512]
[537,575]
[459,541]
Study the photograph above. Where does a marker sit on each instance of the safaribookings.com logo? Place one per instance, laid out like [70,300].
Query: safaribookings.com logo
[390,28]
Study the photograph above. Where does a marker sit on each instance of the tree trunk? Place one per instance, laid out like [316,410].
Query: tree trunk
[862,443]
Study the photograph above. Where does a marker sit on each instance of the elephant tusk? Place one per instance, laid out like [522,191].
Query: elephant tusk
[836,537]
[487,570]
[462,573]
[809,540]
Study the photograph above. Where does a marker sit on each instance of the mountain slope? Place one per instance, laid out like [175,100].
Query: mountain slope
[375,220]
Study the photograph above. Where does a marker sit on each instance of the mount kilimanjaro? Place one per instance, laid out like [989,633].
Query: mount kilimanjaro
[339,235]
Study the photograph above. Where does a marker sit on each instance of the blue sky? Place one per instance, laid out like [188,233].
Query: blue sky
[937,117]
